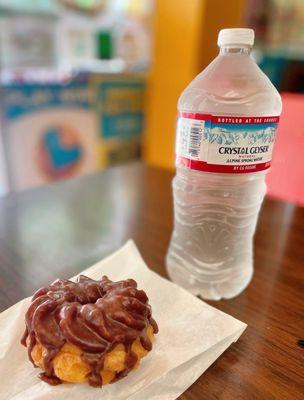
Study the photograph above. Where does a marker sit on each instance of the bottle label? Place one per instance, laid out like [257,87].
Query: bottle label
[225,144]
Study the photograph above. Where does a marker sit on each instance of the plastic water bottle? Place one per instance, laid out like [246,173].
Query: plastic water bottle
[226,128]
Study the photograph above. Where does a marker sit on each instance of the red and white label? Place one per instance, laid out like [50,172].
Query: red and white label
[226,144]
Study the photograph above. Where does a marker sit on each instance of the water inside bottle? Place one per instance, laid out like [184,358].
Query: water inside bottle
[218,194]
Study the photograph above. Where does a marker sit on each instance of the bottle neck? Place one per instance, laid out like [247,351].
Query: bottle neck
[235,49]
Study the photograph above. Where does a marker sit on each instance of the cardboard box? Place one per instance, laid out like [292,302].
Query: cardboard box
[50,131]
[120,110]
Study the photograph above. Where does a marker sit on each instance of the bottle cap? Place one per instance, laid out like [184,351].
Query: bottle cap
[236,36]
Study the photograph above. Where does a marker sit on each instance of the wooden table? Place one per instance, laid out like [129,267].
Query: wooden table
[57,231]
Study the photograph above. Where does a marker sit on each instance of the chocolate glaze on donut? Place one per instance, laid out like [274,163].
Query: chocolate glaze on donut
[93,315]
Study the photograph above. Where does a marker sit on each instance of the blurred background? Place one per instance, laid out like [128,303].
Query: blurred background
[88,84]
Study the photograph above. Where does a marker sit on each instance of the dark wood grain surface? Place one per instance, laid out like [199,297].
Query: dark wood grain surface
[57,231]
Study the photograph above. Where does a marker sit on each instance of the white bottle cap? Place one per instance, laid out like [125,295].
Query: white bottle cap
[236,36]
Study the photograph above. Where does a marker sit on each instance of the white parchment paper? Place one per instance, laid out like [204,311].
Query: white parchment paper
[192,335]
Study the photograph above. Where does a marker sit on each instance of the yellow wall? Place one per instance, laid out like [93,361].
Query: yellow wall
[184,43]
